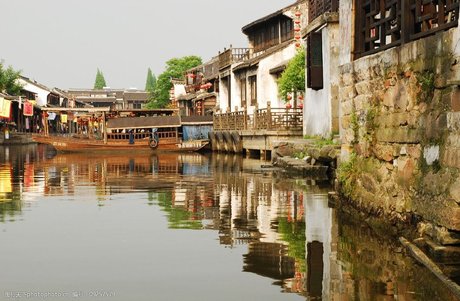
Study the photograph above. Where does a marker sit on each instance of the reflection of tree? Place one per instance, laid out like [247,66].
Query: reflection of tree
[178,217]
[294,234]
[10,206]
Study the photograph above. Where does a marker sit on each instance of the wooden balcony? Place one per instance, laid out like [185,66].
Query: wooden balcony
[318,7]
[233,55]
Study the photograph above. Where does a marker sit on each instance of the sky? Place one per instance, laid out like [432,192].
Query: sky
[61,43]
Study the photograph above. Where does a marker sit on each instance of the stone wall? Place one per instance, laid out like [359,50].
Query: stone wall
[400,128]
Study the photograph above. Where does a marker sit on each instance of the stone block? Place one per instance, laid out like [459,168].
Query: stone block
[453,140]
[396,97]
[398,135]
[454,190]
[406,168]
[453,121]
[443,212]
[363,87]
[435,125]
[347,92]
[414,151]
[347,79]
[345,120]
[451,157]
[455,100]
[397,119]
[347,107]
[384,152]
[440,234]
[362,102]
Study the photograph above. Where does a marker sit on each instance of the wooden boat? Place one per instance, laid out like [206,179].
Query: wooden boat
[147,133]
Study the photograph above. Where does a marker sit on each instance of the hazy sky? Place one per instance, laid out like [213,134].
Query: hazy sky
[61,43]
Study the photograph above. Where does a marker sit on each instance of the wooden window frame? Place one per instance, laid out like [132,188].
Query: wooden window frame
[253,89]
[315,61]
[383,24]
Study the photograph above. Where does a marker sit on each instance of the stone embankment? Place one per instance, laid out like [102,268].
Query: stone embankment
[307,158]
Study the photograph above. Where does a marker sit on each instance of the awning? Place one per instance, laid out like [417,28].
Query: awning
[197,120]
[279,68]
[144,122]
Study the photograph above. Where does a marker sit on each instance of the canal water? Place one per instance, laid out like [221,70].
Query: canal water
[186,227]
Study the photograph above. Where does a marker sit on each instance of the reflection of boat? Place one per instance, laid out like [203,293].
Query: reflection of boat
[145,133]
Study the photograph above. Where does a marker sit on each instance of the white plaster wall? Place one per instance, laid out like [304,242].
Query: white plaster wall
[317,108]
[42,94]
[319,220]
[267,88]
[456,46]
[222,100]
[236,93]
[346,12]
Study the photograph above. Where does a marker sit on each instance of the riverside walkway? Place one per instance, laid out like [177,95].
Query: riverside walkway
[255,134]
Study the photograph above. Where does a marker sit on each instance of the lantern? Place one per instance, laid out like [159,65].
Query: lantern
[288,106]
[298,14]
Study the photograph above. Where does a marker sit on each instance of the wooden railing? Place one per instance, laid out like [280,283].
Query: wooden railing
[233,55]
[138,136]
[318,7]
[262,119]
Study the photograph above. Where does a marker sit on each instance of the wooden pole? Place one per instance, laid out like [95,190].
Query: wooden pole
[104,127]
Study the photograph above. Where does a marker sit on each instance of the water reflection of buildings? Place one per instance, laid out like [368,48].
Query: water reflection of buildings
[256,211]
[17,174]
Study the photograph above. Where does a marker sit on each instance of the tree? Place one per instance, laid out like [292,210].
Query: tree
[175,68]
[99,83]
[292,79]
[151,81]
[9,80]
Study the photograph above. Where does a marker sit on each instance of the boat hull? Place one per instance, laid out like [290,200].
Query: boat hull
[72,144]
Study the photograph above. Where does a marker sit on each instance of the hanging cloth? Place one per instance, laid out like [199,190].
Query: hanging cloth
[51,116]
[5,108]
[28,109]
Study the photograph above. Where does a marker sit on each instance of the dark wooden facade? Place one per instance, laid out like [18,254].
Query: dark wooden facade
[382,24]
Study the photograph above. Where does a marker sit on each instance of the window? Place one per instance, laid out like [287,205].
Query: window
[382,24]
[136,105]
[243,92]
[315,61]
[253,88]
[286,30]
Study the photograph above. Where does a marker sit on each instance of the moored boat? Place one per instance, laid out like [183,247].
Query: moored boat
[130,133]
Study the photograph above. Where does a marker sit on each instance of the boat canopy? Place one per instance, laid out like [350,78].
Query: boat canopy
[144,122]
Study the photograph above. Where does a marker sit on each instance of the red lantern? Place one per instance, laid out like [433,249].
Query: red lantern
[297,45]
[301,97]
[288,106]
[300,106]
[297,29]
[297,37]
[298,14]
[297,21]
[289,97]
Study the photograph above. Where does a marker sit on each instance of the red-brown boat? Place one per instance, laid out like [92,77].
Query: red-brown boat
[147,133]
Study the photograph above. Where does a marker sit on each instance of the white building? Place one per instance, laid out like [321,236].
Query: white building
[248,76]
